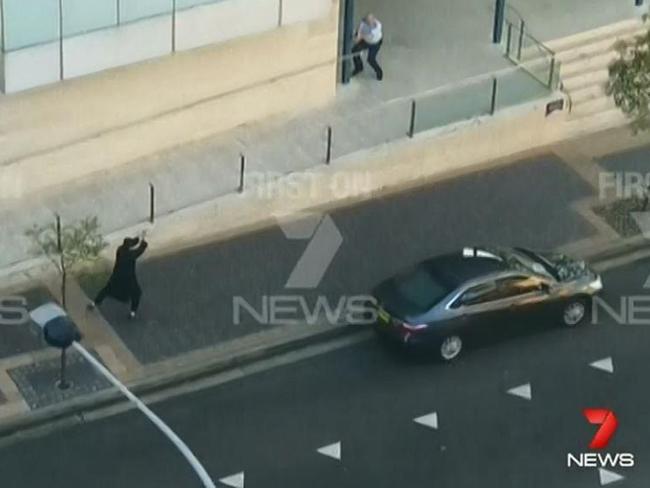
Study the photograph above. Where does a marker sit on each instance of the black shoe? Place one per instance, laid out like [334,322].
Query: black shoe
[380,76]
[91,306]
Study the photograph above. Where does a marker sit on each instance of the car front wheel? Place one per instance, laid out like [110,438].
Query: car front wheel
[451,347]
[574,312]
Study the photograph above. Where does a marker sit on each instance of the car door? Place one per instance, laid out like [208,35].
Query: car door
[478,311]
[526,298]
[500,307]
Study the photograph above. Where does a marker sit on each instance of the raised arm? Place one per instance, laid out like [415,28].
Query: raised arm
[141,249]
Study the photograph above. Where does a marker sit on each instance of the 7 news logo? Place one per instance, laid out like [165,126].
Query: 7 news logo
[608,423]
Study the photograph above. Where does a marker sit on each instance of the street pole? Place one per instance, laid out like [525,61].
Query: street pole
[499,13]
[348,33]
[63,383]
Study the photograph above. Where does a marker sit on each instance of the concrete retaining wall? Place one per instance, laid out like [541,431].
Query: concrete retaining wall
[60,133]
[146,39]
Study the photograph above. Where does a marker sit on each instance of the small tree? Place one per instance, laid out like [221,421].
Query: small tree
[68,246]
[629,80]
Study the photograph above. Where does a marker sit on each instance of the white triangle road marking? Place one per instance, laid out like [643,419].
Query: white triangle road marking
[234,481]
[605,364]
[646,285]
[430,420]
[522,391]
[607,477]
[332,450]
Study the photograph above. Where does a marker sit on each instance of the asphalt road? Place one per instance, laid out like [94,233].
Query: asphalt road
[270,424]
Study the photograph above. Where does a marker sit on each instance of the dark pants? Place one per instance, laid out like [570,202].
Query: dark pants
[134,296]
[373,50]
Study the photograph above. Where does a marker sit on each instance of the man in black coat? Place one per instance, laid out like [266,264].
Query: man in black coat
[123,284]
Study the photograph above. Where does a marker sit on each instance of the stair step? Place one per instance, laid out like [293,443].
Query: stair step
[586,37]
[606,43]
[603,120]
[596,76]
[592,105]
[587,93]
[601,60]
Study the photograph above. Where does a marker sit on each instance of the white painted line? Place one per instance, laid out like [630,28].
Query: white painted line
[430,420]
[522,391]
[605,364]
[157,421]
[235,480]
[607,477]
[333,451]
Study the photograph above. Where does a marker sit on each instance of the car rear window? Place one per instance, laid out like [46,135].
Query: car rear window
[421,289]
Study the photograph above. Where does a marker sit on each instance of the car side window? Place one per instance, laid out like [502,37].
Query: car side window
[475,295]
[516,285]
[498,290]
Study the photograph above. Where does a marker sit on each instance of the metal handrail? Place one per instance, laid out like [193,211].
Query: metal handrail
[522,27]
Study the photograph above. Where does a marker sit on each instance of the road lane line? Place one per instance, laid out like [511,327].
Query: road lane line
[606,477]
[605,364]
[522,391]
[430,420]
[332,450]
[157,421]
[234,481]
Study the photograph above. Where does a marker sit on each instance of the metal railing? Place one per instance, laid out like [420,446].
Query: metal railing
[523,49]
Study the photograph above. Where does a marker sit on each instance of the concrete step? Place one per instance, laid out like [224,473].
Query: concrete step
[618,28]
[600,60]
[597,121]
[596,76]
[587,93]
[603,44]
[592,106]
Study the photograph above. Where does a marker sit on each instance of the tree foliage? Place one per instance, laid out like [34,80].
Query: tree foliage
[629,80]
[80,243]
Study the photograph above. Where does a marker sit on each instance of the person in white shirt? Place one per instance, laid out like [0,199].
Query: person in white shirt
[370,37]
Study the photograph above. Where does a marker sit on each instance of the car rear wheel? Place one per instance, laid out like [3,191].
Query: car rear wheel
[574,313]
[451,347]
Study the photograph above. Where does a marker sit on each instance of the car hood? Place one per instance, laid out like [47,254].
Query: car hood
[564,267]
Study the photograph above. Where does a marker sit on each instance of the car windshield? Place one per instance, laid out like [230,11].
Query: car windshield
[522,260]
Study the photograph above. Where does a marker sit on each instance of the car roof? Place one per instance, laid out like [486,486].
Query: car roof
[461,266]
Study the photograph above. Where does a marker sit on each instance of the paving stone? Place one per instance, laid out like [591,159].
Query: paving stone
[37,382]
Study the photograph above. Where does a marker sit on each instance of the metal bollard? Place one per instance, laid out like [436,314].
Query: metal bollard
[242,168]
[328,156]
[152,203]
[411,132]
